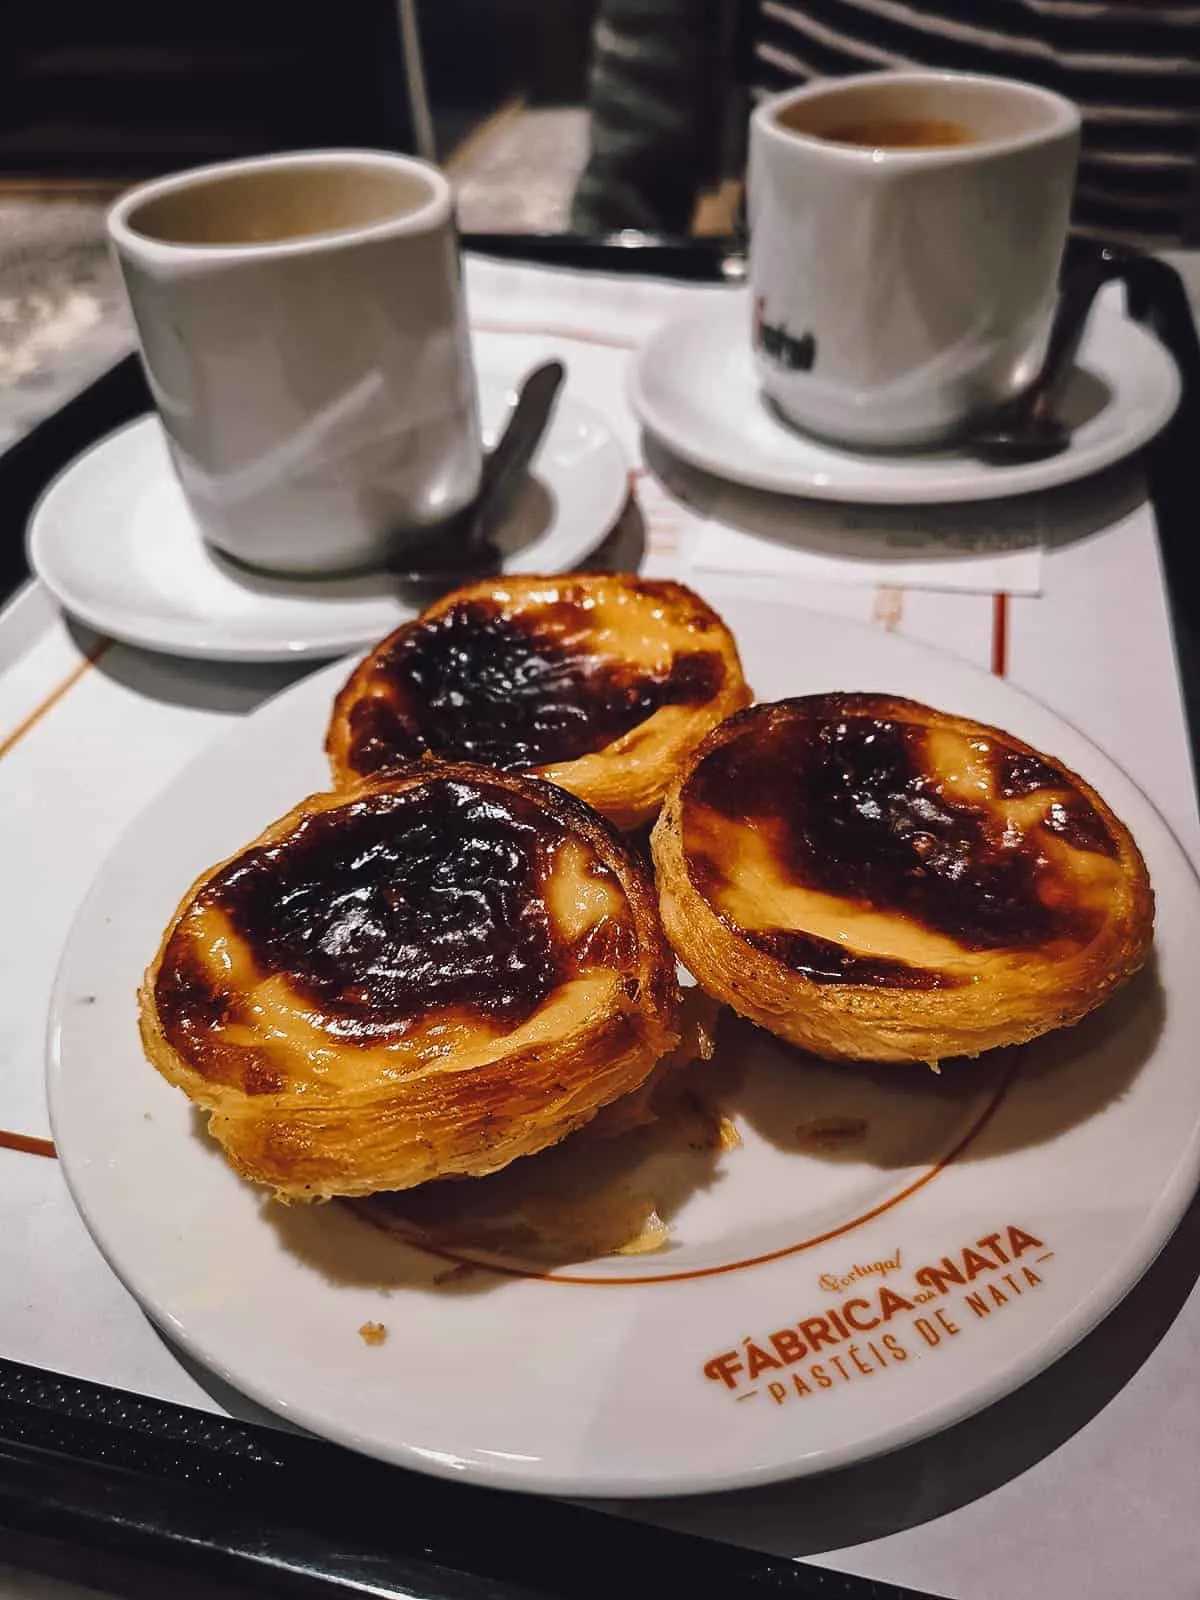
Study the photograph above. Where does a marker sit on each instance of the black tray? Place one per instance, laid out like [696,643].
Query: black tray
[118,1490]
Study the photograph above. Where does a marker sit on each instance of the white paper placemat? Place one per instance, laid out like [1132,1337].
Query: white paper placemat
[928,549]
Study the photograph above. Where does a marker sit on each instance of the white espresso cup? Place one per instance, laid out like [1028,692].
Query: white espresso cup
[303,331]
[907,230]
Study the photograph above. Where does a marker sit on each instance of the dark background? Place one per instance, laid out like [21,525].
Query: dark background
[128,88]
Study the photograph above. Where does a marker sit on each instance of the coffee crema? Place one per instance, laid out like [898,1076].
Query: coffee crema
[280,205]
[888,133]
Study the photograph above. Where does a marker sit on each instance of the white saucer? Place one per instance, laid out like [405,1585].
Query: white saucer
[694,387]
[115,543]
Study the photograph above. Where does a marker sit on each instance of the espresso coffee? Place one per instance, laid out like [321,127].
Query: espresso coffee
[878,131]
[906,234]
[896,133]
[302,323]
[280,205]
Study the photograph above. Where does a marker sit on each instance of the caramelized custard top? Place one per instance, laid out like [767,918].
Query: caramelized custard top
[529,687]
[869,848]
[449,905]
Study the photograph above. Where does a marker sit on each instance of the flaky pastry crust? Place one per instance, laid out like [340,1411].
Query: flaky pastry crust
[424,977]
[870,878]
[599,682]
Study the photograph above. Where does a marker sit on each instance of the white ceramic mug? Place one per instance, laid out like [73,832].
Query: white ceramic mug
[900,291]
[302,327]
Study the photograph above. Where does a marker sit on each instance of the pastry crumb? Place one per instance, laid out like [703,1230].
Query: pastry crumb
[832,1133]
[372,1333]
[709,1128]
[652,1235]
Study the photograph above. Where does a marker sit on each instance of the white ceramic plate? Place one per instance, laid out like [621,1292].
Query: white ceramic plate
[1046,1180]
[115,543]
[694,387]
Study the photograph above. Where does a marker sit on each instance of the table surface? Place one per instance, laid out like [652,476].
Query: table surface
[1085,1481]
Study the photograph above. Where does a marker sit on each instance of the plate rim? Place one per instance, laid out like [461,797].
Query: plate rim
[996,483]
[1156,1225]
